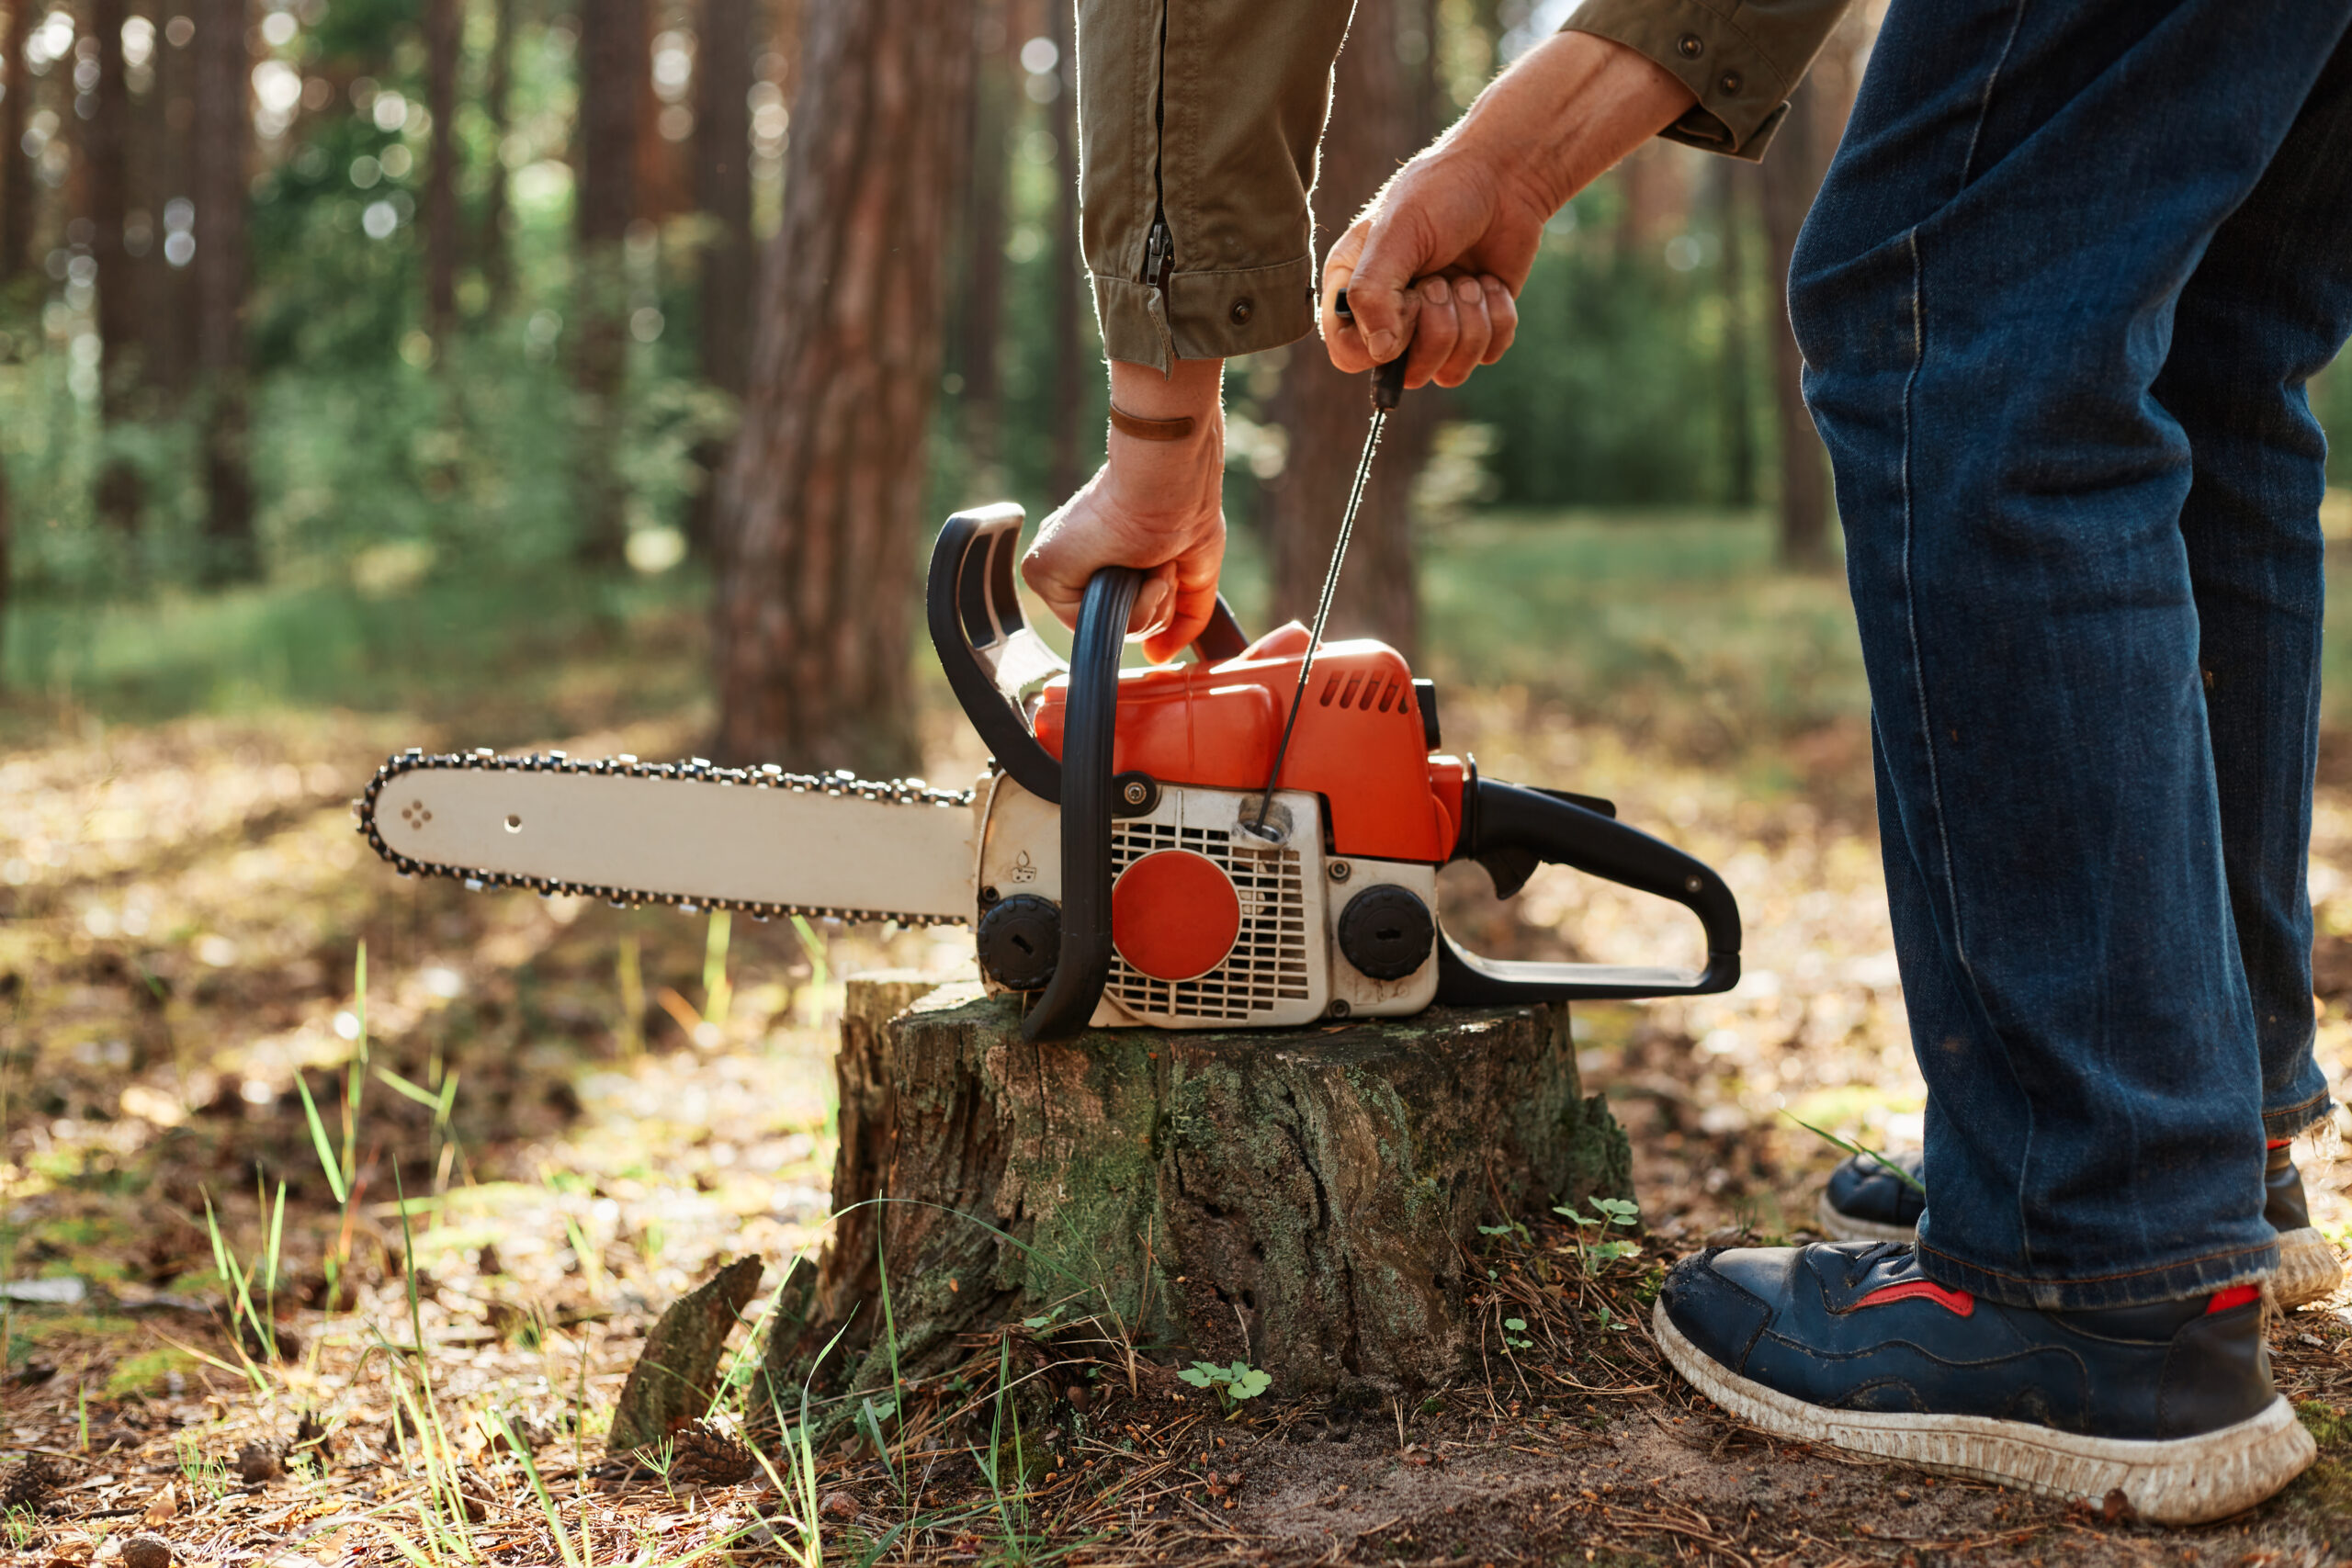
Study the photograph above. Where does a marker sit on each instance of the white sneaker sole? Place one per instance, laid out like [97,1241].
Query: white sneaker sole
[2184,1481]
[2309,1269]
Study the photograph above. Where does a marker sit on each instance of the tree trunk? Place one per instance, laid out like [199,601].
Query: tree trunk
[1069,265]
[612,60]
[495,254]
[442,20]
[6,591]
[820,502]
[223,129]
[723,195]
[981,321]
[106,142]
[1304,1202]
[1373,128]
[1790,175]
[1730,180]
[16,183]
[168,128]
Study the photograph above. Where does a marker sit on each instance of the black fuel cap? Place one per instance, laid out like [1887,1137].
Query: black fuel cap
[1386,931]
[1019,941]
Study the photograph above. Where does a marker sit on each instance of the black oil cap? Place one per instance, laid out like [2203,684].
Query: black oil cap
[1386,931]
[1021,941]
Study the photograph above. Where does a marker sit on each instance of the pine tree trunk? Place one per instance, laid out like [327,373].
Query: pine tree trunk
[223,133]
[1305,1201]
[105,141]
[1790,176]
[1069,267]
[1730,180]
[820,502]
[495,254]
[167,128]
[17,188]
[723,195]
[1375,127]
[980,318]
[612,61]
[443,20]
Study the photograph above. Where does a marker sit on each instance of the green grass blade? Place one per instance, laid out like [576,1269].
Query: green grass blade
[320,1142]
[1862,1152]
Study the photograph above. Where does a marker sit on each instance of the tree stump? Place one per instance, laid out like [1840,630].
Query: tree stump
[1306,1201]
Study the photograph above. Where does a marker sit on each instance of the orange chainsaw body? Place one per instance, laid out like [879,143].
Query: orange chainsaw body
[1360,742]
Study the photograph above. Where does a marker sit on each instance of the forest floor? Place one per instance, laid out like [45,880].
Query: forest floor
[459,1201]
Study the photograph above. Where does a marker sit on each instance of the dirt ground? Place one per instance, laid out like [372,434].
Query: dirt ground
[546,1120]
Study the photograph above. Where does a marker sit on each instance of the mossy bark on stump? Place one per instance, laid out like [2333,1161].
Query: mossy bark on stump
[1306,1201]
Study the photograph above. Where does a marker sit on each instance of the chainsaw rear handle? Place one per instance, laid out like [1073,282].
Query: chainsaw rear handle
[990,654]
[1507,828]
[1090,726]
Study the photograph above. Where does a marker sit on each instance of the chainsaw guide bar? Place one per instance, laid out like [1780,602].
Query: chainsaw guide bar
[903,826]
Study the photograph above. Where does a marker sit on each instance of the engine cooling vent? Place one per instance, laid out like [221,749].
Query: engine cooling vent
[1268,964]
[1379,693]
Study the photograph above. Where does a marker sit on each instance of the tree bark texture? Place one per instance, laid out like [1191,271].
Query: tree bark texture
[1306,1201]
[723,195]
[1790,176]
[723,188]
[441,25]
[1377,101]
[820,502]
[1731,181]
[493,251]
[223,133]
[611,62]
[980,324]
[167,121]
[105,141]
[16,182]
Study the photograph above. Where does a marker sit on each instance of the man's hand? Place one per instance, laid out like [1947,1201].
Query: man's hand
[1437,258]
[1155,504]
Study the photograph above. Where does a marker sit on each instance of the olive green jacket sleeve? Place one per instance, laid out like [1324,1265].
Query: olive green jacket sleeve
[1743,58]
[1200,119]
[1198,122]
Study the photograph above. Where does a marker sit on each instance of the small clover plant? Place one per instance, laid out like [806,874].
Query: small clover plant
[1231,1384]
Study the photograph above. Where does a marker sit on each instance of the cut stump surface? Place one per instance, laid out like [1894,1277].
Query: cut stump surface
[1306,1201]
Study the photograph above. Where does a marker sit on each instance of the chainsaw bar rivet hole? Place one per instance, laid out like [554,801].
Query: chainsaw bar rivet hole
[513,823]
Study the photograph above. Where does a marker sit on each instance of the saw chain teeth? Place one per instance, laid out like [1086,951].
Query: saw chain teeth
[693,770]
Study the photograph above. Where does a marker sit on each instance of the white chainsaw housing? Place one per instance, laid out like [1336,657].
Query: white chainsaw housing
[1285,967]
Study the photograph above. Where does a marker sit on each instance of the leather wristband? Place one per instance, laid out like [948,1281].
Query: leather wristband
[1143,429]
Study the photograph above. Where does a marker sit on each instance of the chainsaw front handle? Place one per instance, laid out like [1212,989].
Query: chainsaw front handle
[1507,827]
[1088,728]
[991,656]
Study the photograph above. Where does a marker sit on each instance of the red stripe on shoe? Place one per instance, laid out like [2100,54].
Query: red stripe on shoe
[1958,1302]
[2277,1143]
[2235,1296]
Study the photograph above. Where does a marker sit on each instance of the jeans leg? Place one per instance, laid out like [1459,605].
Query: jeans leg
[1985,296]
[2269,305]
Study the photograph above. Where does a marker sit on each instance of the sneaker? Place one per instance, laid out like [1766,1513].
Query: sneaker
[1847,1344]
[1867,1201]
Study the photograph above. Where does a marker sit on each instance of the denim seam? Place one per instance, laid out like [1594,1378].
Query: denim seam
[1985,104]
[2090,1279]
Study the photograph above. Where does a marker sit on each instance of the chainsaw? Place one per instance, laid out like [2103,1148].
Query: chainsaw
[1135,853]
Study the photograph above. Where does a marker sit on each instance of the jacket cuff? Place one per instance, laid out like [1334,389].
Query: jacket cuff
[1743,93]
[1208,315]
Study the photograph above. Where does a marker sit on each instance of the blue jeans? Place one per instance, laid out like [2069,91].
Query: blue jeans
[2058,299]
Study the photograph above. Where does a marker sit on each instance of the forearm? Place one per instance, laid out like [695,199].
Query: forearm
[1563,115]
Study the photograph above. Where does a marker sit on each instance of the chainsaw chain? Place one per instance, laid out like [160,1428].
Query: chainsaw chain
[696,770]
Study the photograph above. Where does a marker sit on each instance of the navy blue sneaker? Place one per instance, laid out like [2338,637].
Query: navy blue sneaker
[1866,1201]
[1847,1344]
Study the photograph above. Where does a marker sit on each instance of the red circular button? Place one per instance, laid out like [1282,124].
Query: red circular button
[1174,915]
